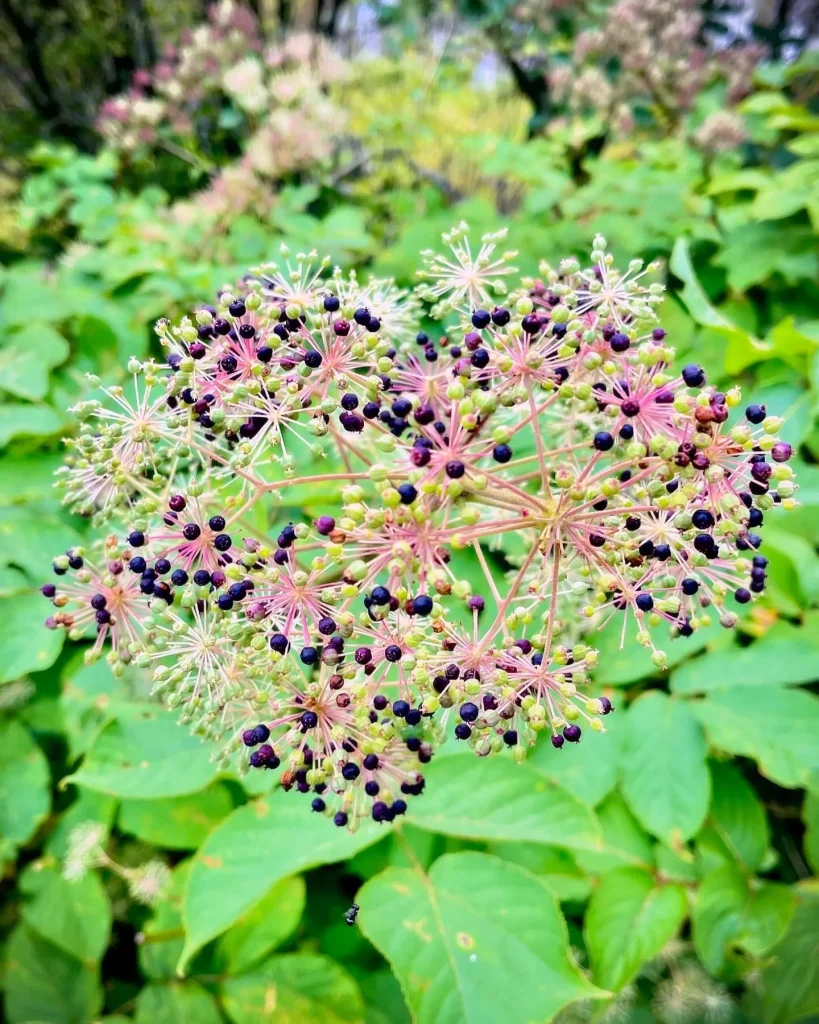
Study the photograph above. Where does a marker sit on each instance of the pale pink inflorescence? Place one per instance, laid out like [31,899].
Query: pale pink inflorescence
[481,500]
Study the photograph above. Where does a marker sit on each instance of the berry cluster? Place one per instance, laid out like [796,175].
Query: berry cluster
[541,445]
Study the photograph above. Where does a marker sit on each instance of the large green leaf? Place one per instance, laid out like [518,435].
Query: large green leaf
[293,989]
[785,656]
[664,773]
[30,536]
[25,643]
[175,1001]
[625,843]
[27,357]
[25,478]
[43,984]
[790,981]
[19,419]
[255,847]
[477,939]
[483,798]
[264,927]
[629,920]
[76,916]
[736,819]
[25,784]
[732,911]
[146,755]
[777,727]
[179,823]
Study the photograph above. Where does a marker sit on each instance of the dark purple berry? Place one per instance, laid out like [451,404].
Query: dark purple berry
[469,712]
[693,375]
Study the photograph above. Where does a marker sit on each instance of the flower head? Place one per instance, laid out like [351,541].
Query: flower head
[481,501]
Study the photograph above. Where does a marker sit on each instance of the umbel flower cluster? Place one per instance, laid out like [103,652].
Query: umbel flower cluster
[539,442]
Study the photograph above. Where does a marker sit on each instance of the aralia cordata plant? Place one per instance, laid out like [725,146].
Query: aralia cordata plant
[546,421]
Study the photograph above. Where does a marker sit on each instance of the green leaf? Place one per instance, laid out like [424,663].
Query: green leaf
[292,989]
[19,420]
[624,841]
[769,911]
[754,252]
[692,294]
[76,916]
[557,868]
[25,643]
[27,478]
[730,913]
[255,847]
[590,773]
[629,920]
[784,656]
[176,1001]
[25,784]
[717,914]
[470,934]
[776,727]
[477,798]
[790,982]
[664,774]
[625,663]
[146,755]
[793,570]
[810,815]
[90,697]
[27,293]
[675,865]
[737,816]
[264,927]
[42,984]
[27,358]
[179,823]
[30,537]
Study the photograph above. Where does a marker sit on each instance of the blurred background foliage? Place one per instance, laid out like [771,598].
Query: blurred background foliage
[148,154]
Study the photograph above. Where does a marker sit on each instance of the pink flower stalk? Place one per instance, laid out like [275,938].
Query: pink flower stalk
[545,445]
